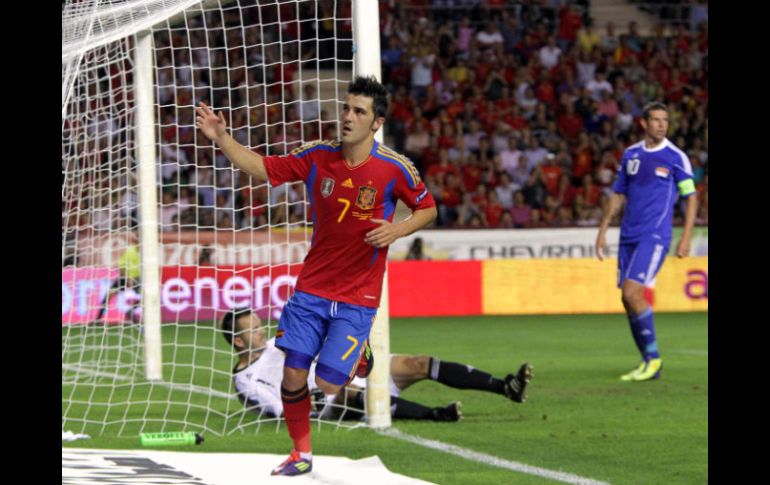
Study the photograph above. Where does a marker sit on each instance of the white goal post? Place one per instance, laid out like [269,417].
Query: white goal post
[160,235]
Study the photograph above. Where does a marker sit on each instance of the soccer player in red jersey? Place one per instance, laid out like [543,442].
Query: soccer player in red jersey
[353,185]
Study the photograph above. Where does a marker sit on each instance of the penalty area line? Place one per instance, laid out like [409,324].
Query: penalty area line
[490,460]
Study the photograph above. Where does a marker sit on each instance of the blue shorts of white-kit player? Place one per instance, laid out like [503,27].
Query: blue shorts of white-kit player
[310,324]
[640,261]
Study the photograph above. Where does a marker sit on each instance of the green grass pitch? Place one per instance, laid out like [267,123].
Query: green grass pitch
[580,418]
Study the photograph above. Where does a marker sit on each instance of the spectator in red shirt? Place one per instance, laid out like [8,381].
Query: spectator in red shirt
[570,123]
[471,172]
[567,193]
[450,199]
[444,167]
[429,155]
[417,118]
[516,120]
[504,105]
[447,137]
[480,196]
[570,21]
[588,194]
[494,210]
[552,174]
[587,203]
[478,99]
[582,158]
[489,117]
[457,105]
[549,209]
[546,92]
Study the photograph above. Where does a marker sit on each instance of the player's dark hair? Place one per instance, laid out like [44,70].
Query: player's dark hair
[228,323]
[653,106]
[369,86]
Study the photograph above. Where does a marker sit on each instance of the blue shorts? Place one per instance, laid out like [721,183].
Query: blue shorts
[335,331]
[640,261]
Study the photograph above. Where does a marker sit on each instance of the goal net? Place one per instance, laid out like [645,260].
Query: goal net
[160,235]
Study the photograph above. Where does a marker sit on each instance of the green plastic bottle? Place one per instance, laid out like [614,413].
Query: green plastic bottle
[170,439]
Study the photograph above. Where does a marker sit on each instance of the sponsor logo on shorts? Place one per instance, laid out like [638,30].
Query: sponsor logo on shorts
[279,334]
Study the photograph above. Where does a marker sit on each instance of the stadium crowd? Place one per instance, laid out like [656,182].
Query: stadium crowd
[516,114]
[518,117]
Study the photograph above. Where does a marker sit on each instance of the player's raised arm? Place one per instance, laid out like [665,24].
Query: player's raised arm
[215,129]
[616,200]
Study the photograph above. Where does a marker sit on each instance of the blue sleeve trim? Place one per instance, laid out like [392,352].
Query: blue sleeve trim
[390,206]
[309,187]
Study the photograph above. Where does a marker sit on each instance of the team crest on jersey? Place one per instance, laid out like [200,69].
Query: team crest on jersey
[366,196]
[661,172]
[327,185]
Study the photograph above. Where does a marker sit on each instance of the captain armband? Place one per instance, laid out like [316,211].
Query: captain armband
[686,187]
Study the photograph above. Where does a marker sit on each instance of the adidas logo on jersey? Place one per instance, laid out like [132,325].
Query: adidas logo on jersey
[348,183]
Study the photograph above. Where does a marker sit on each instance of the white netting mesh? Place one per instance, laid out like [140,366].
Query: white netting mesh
[276,69]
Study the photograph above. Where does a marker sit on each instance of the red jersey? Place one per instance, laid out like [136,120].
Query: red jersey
[340,265]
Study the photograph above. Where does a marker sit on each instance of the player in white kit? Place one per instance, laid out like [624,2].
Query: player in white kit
[258,373]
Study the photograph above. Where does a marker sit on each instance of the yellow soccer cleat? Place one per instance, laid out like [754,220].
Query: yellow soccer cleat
[630,375]
[647,370]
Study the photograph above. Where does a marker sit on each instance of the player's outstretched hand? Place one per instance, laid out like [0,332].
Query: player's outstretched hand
[211,125]
[383,235]
[601,244]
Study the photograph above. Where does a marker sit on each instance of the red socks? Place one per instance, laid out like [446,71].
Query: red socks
[296,410]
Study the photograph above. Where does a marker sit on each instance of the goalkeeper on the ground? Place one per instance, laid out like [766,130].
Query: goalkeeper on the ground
[257,377]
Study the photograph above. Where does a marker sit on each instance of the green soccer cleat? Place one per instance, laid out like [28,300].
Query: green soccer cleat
[647,370]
